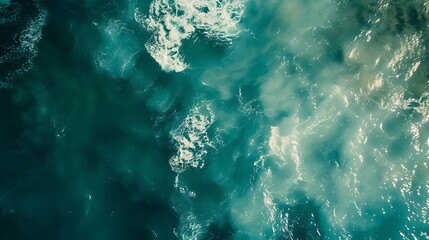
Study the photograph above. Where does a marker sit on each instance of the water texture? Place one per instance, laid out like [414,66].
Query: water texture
[216,119]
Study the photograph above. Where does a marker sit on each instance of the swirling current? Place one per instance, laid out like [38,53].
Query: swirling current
[214,119]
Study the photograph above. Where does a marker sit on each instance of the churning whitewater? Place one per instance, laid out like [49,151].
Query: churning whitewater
[216,119]
[172,22]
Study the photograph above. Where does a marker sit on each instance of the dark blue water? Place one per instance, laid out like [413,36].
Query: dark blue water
[233,119]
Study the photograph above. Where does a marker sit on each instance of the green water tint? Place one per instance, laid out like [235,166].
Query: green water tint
[311,123]
[5,2]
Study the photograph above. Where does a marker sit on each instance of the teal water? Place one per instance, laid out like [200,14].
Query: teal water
[233,119]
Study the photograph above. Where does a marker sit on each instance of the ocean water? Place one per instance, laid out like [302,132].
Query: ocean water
[214,119]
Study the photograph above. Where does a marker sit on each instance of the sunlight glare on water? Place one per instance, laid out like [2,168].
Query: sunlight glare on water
[235,119]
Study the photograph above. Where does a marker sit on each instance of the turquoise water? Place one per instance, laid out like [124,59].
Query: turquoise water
[233,119]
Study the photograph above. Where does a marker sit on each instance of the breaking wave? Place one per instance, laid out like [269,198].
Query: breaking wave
[172,22]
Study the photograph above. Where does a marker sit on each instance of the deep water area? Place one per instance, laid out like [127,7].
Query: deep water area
[214,119]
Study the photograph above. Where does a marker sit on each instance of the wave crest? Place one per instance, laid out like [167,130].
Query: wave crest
[171,22]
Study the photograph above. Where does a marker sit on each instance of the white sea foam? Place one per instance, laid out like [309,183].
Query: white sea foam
[32,34]
[190,228]
[27,45]
[191,138]
[173,21]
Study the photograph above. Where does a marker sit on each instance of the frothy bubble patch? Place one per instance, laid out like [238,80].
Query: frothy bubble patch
[191,138]
[32,34]
[27,46]
[191,229]
[171,22]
